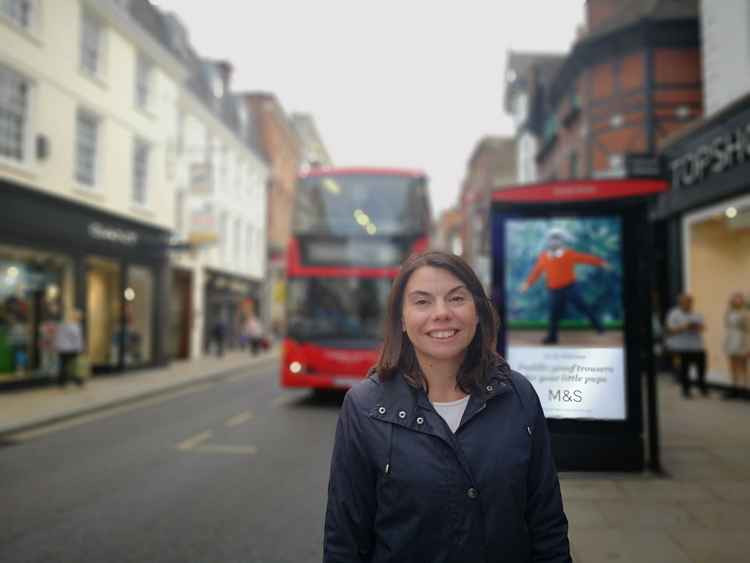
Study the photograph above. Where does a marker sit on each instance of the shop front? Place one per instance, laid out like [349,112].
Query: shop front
[229,299]
[704,222]
[57,256]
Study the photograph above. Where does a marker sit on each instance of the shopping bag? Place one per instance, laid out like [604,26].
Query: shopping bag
[82,367]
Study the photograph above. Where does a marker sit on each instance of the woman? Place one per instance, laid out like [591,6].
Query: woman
[442,454]
[736,343]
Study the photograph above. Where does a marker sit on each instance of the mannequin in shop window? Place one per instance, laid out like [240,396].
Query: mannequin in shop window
[737,344]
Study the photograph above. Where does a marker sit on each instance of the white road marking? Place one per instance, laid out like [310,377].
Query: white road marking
[193,441]
[285,399]
[238,419]
[225,449]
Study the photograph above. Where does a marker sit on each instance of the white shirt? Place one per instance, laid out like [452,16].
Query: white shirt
[688,341]
[452,412]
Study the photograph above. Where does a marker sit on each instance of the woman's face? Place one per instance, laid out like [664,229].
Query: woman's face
[438,315]
[738,301]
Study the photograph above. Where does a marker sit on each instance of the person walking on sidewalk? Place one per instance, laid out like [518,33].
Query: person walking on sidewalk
[685,341]
[69,344]
[736,343]
[254,333]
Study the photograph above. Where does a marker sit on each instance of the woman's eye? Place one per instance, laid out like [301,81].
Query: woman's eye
[457,299]
[421,302]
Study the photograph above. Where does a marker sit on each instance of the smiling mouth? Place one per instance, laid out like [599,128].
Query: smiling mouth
[442,334]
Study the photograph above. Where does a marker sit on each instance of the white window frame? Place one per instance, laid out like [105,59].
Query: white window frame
[95,179]
[144,82]
[89,18]
[8,14]
[26,144]
[140,172]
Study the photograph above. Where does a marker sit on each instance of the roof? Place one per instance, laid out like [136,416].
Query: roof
[518,68]
[632,11]
[628,21]
[355,170]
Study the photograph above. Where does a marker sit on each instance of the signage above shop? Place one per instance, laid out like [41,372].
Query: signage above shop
[99,231]
[726,150]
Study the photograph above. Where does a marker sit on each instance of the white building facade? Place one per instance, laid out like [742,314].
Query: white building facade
[87,185]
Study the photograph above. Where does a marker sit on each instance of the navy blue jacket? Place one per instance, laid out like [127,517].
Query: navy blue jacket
[404,488]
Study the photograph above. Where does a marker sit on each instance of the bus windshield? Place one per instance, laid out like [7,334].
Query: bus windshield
[336,308]
[357,204]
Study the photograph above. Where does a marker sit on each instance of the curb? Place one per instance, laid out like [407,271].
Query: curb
[7,432]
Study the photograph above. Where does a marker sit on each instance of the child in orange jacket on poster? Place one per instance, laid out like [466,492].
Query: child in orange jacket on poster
[557,263]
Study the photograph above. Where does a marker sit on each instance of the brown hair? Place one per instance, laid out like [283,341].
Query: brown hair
[398,352]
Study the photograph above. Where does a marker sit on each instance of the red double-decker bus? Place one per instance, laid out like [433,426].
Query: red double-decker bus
[351,228]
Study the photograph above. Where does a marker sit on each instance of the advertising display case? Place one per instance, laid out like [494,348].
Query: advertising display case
[570,281]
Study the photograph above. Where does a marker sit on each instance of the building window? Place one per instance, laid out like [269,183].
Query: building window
[14,105]
[91,43]
[87,129]
[143,82]
[19,12]
[574,165]
[141,151]
[237,240]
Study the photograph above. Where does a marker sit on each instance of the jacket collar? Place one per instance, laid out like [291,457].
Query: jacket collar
[400,403]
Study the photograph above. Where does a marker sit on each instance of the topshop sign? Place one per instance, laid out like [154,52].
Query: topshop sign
[725,151]
[112,234]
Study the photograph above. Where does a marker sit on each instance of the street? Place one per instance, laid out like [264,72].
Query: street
[232,470]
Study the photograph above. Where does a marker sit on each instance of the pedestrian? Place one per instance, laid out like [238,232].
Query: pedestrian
[736,344]
[69,344]
[684,329]
[254,333]
[218,334]
[442,453]
[558,263]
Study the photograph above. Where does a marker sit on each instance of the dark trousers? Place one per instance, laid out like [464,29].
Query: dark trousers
[67,360]
[558,299]
[698,359]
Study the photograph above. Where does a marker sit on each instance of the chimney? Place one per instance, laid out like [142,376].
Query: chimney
[225,72]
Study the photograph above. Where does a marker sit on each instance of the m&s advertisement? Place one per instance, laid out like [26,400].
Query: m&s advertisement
[564,312]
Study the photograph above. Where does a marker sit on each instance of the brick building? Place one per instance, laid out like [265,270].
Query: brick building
[279,145]
[492,165]
[632,78]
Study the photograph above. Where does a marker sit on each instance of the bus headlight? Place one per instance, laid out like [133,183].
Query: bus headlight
[295,367]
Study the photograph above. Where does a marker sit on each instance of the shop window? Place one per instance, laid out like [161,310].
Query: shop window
[717,241]
[35,290]
[139,305]
[14,107]
[103,311]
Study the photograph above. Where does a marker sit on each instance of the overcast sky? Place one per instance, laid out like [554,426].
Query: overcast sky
[412,83]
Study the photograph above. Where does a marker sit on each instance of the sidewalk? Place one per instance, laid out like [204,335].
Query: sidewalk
[697,514]
[23,409]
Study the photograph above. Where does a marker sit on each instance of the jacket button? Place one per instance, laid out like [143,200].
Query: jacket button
[420,420]
[381,410]
[402,414]
[472,493]
[490,388]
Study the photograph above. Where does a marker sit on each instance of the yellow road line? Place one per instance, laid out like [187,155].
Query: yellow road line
[193,441]
[238,419]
